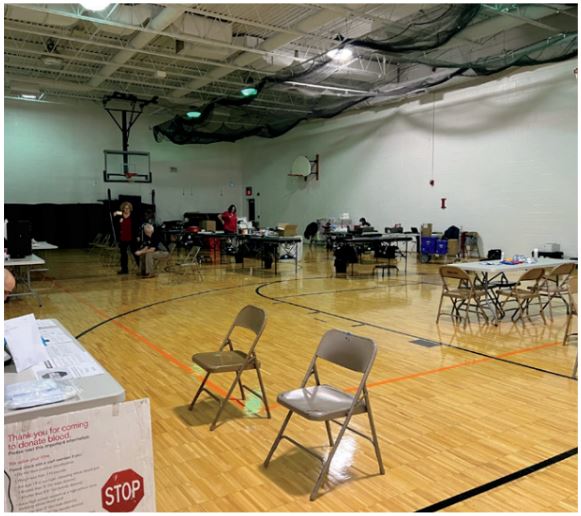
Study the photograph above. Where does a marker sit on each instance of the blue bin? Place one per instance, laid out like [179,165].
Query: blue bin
[442,247]
[428,245]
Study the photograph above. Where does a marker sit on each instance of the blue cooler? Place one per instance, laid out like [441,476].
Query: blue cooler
[442,247]
[428,245]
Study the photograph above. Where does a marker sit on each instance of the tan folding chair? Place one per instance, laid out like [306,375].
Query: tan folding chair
[458,287]
[555,285]
[572,292]
[327,403]
[234,361]
[526,290]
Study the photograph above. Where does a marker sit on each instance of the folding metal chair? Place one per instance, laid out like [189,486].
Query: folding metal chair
[458,287]
[234,361]
[572,291]
[555,285]
[327,403]
[523,293]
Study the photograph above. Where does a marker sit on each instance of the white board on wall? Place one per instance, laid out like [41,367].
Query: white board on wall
[95,460]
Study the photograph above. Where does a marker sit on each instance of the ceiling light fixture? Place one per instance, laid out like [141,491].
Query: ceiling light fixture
[28,96]
[95,5]
[249,91]
[340,55]
[194,113]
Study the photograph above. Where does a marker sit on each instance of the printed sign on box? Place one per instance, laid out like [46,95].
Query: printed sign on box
[98,459]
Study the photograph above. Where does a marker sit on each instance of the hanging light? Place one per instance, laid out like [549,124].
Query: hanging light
[340,55]
[95,5]
[249,91]
[194,113]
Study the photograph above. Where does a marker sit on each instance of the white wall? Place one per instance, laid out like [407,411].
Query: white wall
[53,153]
[504,156]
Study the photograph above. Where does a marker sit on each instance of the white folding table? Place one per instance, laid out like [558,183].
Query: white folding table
[490,271]
[94,391]
[22,268]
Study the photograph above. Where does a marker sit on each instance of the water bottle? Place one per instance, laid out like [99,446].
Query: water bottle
[535,253]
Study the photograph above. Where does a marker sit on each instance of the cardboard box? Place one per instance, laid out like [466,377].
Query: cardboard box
[426,230]
[208,225]
[453,247]
[287,229]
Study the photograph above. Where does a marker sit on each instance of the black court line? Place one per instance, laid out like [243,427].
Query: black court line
[453,500]
[193,294]
[398,332]
[139,308]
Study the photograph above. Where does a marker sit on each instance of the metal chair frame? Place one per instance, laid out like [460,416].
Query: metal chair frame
[462,295]
[360,404]
[523,297]
[253,319]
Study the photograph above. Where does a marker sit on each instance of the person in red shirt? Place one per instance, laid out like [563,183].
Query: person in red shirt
[127,235]
[229,219]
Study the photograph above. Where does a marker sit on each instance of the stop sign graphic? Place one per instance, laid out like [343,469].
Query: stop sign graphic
[122,492]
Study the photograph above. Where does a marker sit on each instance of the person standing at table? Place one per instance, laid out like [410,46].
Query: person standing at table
[229,219]
[128,233]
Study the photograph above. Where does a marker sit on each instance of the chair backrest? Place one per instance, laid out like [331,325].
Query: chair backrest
[347,350]
[532,275]
[251,318]
[561,272]
[448,272]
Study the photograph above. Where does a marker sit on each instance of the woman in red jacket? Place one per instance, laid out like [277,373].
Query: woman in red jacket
[229,219]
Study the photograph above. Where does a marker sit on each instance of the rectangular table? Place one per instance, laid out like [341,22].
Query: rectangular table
[490,271]
[22,268]
[43,246]
[378,240]
[269,244]
[94,391]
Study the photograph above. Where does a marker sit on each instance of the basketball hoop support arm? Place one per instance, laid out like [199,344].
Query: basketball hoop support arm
[129,116]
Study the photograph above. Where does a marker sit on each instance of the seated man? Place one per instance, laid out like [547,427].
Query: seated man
[9,283]
[152,249]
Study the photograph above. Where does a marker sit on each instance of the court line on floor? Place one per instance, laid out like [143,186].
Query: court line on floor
[453,500]
[398,332]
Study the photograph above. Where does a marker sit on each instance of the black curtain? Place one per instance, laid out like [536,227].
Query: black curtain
[67,225]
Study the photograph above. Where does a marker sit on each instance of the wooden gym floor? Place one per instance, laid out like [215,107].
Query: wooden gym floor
[481,418]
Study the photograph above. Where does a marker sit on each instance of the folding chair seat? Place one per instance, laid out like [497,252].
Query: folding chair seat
[555,285]
[327,403]
[234,361]
[459,288]
[523,293]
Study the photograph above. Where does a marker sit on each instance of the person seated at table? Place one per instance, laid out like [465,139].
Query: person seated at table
[229,219]
[363,223]
[151,250]
[9,283]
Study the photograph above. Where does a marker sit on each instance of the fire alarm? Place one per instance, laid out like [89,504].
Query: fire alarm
[248,191]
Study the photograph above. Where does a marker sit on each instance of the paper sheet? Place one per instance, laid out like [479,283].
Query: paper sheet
[24,342]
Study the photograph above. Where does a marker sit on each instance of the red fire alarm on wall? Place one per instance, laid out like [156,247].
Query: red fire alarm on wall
[248,191]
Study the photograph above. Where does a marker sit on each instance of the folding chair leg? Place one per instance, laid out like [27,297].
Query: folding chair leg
[329,433]
[542,311]
[327,463]
[374,433]
[242,395]
[566,337]
[263,391]
[439,309]
[225,400]
[278,438]
[197,395]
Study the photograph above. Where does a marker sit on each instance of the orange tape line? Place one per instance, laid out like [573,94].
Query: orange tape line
[216,388]
[454,366]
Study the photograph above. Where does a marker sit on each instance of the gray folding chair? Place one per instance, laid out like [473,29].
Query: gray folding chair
[327,403]
[234,361]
